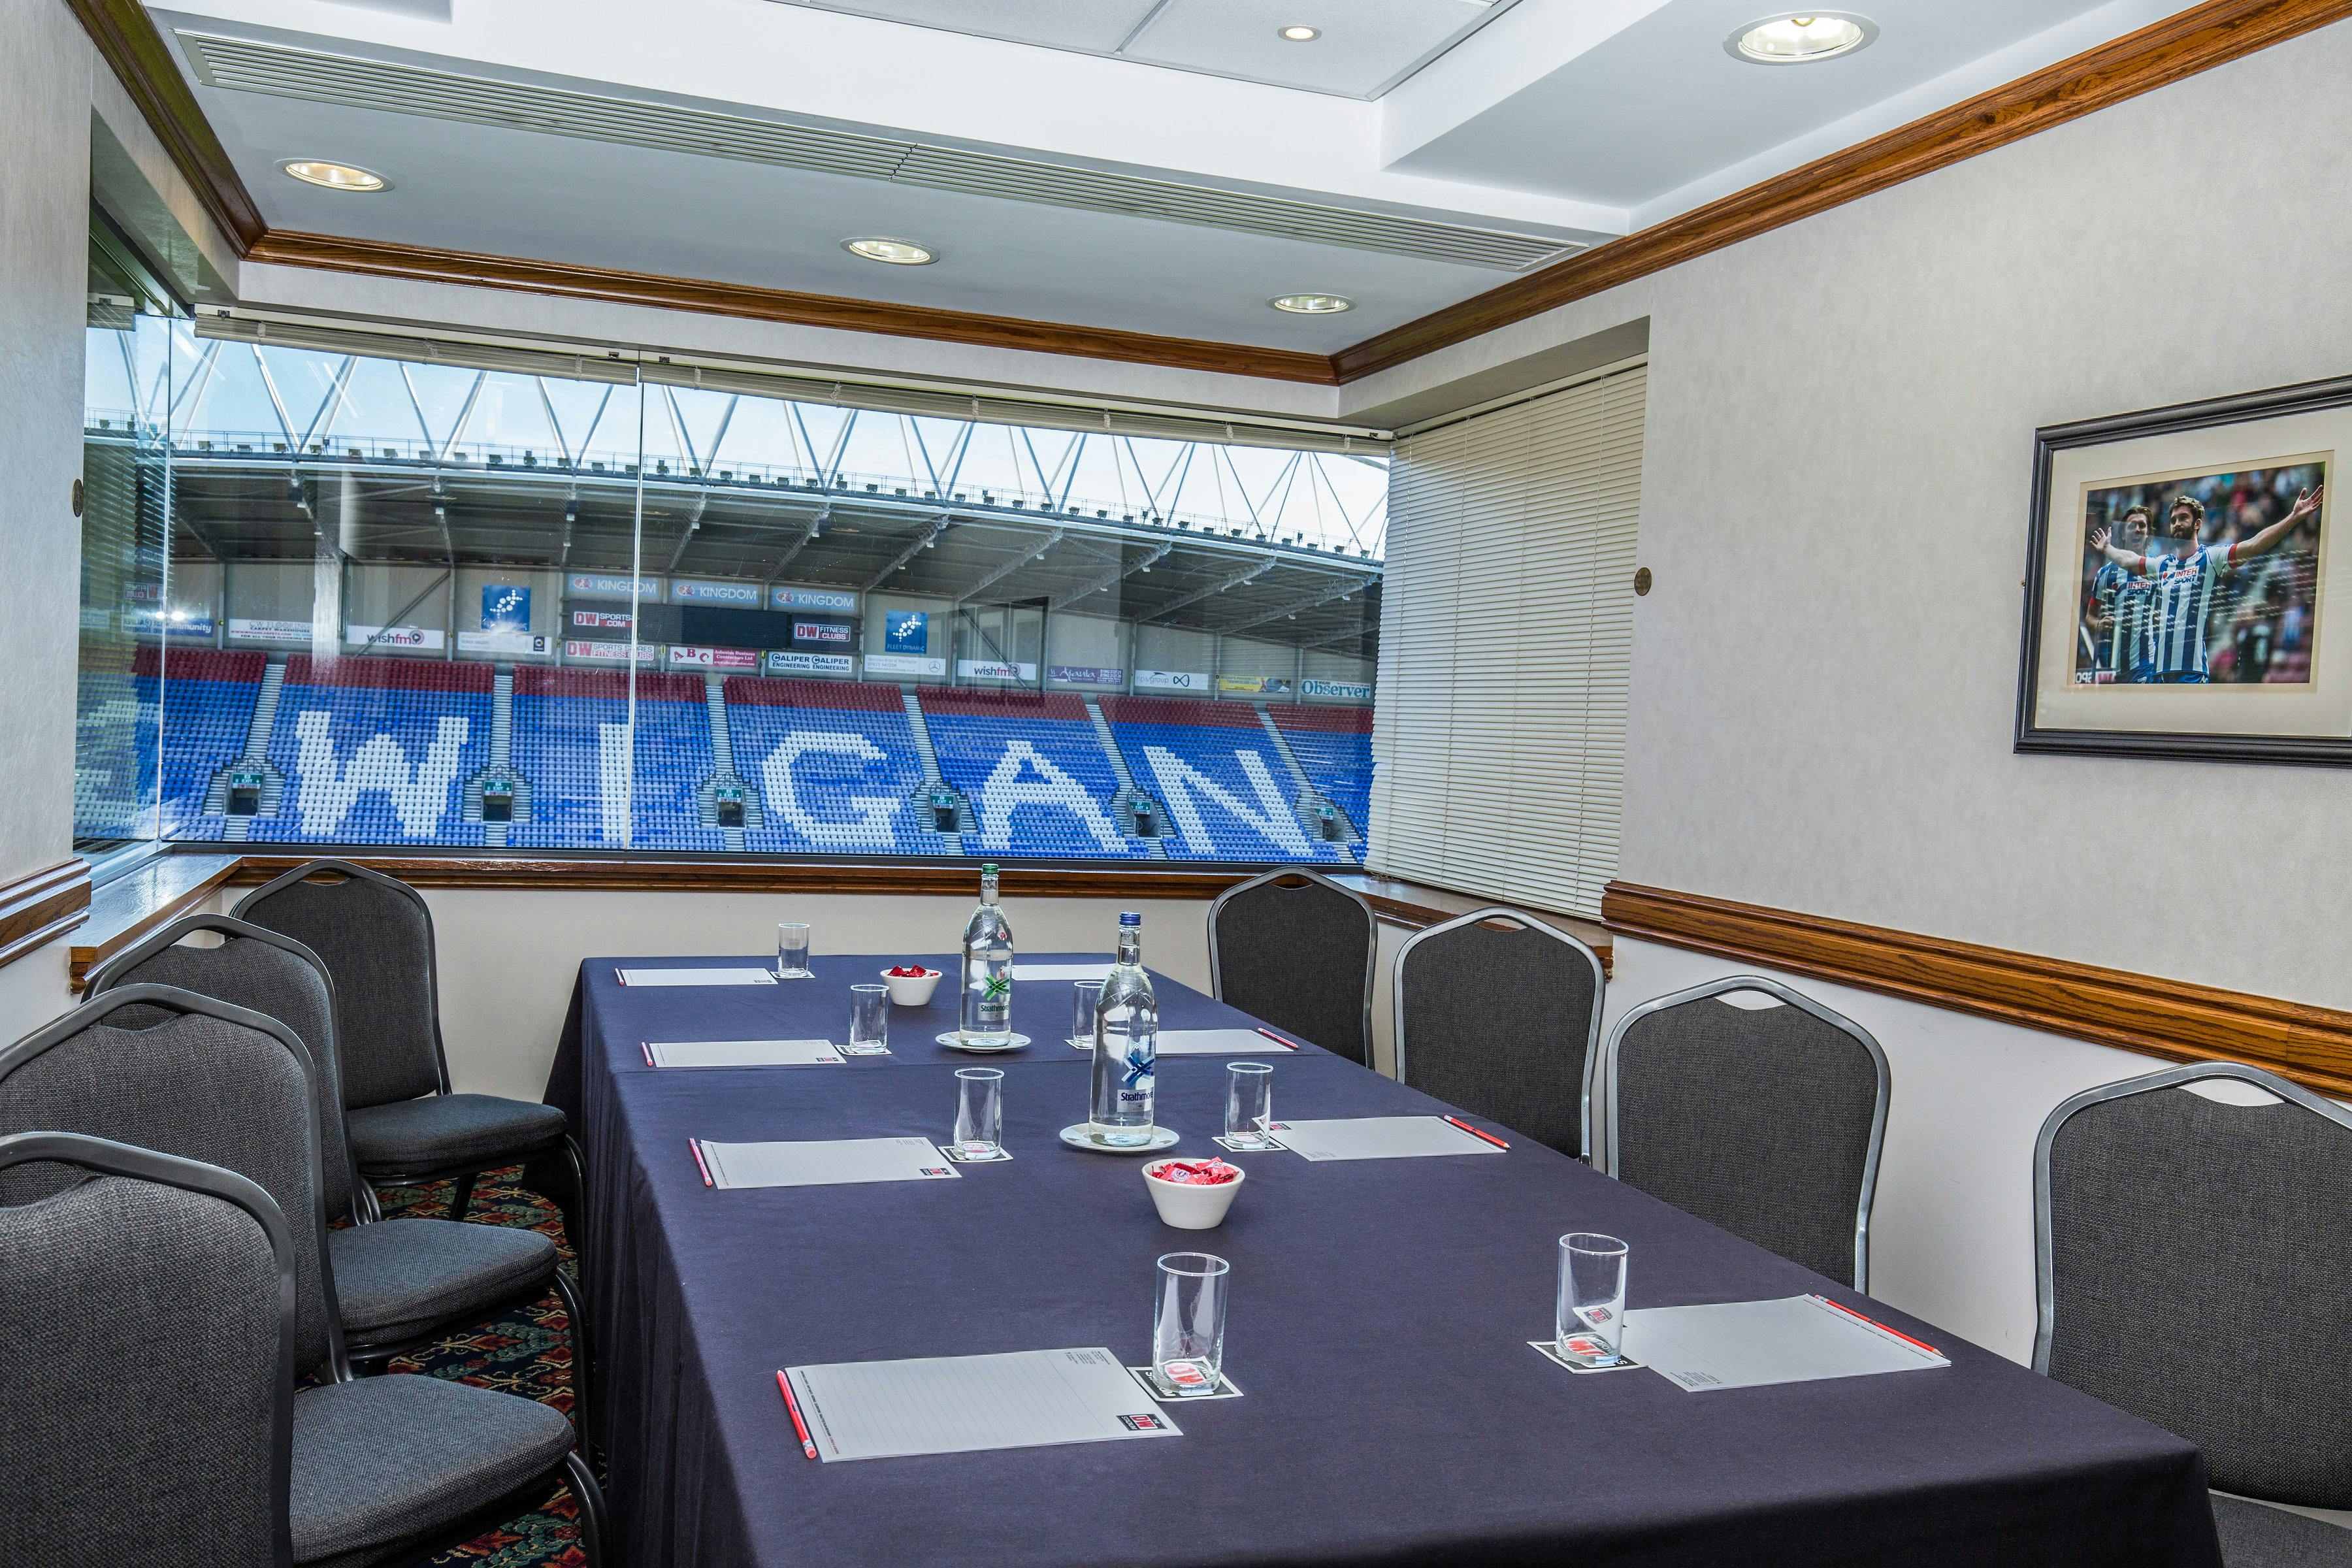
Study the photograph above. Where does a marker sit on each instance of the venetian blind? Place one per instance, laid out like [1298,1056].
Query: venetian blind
[1505,646]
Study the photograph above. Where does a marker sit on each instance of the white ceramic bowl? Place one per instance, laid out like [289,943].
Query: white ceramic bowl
[1188,1207]
[911,990]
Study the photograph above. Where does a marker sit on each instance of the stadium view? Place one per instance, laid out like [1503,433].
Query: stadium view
[384,591]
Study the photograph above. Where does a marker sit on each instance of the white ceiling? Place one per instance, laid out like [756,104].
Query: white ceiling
[1568,120]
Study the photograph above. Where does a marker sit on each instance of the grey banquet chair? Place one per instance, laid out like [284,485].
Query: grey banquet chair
[2189,1265]
[375,937]
[383,1470]
[1766,1122]
[399,1283]
[1295,948]
[1499,1013]
[147,1354]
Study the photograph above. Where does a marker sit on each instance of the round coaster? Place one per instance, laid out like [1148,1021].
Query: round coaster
[954,1041]
[1077,1137]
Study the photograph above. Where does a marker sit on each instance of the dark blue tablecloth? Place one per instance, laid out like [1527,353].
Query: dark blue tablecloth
[1380,1314]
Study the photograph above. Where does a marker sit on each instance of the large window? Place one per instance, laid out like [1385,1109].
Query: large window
[435,592]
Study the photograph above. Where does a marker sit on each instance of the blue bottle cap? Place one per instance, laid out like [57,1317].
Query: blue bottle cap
[1129,918]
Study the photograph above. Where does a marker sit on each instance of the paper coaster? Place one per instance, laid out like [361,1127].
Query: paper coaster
[955,1152]
[1225,1389]
[1224,1142]
[1552,1354]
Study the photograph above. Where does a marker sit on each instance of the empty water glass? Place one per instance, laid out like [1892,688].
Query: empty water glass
[793,950]
[1188,1324]
[1084,996]
[1249,1104]
[1590,1318]
[869,1020]
[979,1113]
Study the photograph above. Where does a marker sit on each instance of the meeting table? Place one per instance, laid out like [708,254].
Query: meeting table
[1392,1409]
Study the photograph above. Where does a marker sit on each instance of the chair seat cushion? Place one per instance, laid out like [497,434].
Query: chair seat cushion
[388,1460]
[442,1132]
[397,1277]
[2254,1536]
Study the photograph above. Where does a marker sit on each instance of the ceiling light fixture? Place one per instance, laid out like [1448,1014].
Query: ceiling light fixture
[1801,38]
[330,176]
[1313,304]
[1302,34]
[897,252]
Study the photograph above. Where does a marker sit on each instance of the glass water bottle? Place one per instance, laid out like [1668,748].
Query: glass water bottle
[1127,1046]
[987,1015]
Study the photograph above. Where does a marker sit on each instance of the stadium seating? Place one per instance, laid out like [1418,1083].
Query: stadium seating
[1334,745]
[378,751]
[208,698]
[1035,771]
[834,763]
[114,753]
[570,747]
[1228,794]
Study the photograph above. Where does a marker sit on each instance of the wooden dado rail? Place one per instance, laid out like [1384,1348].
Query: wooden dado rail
[2168,1018]
[173,885]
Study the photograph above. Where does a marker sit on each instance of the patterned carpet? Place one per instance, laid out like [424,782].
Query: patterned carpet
[528,1352]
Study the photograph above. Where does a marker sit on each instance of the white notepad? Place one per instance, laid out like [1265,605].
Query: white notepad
[742,1053]
[824,1165]
[965,1404]
[1218,1043]
[1749,1345]
[737,975]
[1380,1138]
[1060,971]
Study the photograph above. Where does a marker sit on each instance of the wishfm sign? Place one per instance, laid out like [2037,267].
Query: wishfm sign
[1171,680]
[393,637]
[994,669]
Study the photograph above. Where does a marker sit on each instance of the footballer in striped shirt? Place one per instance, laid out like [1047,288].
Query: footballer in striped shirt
[2121,615]
[2185,575]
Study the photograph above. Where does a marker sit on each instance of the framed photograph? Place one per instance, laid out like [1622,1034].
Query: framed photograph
[2181,588]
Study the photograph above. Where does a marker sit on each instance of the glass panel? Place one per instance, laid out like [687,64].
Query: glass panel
[456,607]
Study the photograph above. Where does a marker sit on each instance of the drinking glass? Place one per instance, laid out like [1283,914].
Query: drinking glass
[1249,1104]
[1084,994]
[869,1020]
[979,1113]
[1589,1319]
[792,951]
[1188,1324]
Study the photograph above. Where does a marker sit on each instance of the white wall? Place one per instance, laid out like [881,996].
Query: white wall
[508,959]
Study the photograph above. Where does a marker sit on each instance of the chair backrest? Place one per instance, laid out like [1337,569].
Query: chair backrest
[2191,1260]
[265,973]
[211,1083]
[146,1349]
[375,937]
[1767,1121]
[1499,1013]
[1295,948]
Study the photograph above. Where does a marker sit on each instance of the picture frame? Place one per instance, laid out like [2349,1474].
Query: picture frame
[2183,594]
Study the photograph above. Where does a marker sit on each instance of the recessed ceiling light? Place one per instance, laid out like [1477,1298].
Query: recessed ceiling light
[1302,34]
[897,252]
[1802,38]
[334,176]
[1313,304]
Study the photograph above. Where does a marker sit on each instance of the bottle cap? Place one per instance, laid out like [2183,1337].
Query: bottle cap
[1129,918]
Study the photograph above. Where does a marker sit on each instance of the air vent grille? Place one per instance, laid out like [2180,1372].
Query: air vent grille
[244,65]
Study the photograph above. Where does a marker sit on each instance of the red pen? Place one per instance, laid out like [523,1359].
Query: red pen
[1882,1328]
[699,1164]
[648,1050]
[794,1405]
[1474,1132]
[1277,1039]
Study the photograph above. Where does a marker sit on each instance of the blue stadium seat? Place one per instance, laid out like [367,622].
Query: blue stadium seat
[1034,773]
[1227,793]
[835,764]
[378,751]
[1334,745]
[571,747]
[208,696]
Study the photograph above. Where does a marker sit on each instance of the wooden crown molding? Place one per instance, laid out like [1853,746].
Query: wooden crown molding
[423,263]
[2168,1018]
[41,905]
[2170,50]
[2165,52]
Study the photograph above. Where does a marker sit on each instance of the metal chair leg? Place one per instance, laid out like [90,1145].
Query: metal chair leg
[570,1293]
[593,1523]
[461,1196]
